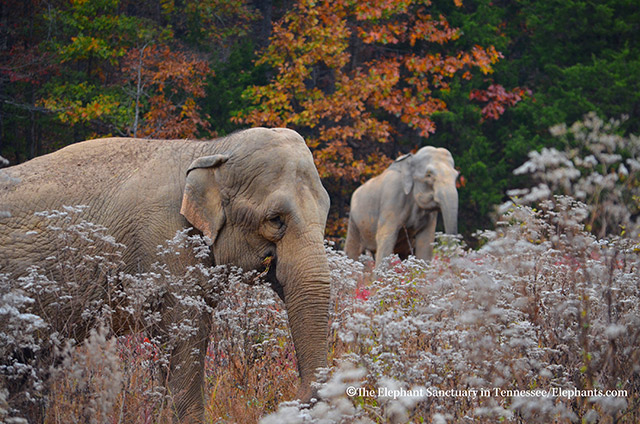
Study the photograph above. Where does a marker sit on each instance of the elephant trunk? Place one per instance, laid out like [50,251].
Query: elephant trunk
[303,271]
[447,198]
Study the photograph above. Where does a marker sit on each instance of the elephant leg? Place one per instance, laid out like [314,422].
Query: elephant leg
[185,379]
[425,238]
[386,238]
[353,245]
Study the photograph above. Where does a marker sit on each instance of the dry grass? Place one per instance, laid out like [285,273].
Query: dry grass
[541,305]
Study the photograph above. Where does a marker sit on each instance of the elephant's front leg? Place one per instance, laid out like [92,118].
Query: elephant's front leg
[386,238]
[426,237]
[186,372]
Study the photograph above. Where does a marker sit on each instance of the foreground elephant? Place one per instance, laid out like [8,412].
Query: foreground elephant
[397,211]
[254,194]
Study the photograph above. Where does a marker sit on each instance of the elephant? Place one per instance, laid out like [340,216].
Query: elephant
[397,211]
[255,196]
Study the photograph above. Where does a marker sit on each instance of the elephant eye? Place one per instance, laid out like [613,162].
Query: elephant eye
[276,221]
[274,227]
[428,176]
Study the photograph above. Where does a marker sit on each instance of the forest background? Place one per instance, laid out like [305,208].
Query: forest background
[363,82]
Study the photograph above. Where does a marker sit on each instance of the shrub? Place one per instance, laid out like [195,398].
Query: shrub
[540,324]
[542,306]
[60,359]
[597,166]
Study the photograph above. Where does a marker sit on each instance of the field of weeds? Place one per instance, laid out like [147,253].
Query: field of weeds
[539,324]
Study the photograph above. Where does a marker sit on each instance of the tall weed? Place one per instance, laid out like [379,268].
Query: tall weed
[539,324]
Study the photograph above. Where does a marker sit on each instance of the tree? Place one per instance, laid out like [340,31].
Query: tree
[216,25]
[353,76]
[233,74]
[574,56]
[72,70]
[89,39]
[103,49]
[24,67]
[167,84]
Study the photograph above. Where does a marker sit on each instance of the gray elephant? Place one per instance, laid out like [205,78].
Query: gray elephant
[255,194]
[397,211]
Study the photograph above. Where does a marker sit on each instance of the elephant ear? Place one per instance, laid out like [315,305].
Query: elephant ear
[201,200]
[407,172]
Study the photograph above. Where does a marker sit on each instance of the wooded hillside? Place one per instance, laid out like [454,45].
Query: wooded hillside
[362,81]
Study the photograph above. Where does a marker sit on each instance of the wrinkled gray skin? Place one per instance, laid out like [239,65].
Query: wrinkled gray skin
[404,201]
[255,194]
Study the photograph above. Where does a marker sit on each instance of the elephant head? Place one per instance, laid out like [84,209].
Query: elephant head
[263,202]
[430,176]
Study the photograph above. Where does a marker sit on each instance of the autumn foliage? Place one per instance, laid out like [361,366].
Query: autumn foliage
[350,75]
[496,99]
[362,81]
[168,83]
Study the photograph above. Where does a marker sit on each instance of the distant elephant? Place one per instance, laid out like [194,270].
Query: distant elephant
[397,211]
[254,194]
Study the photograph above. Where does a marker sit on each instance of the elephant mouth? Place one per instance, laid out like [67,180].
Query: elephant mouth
[426,202]
[268,273]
